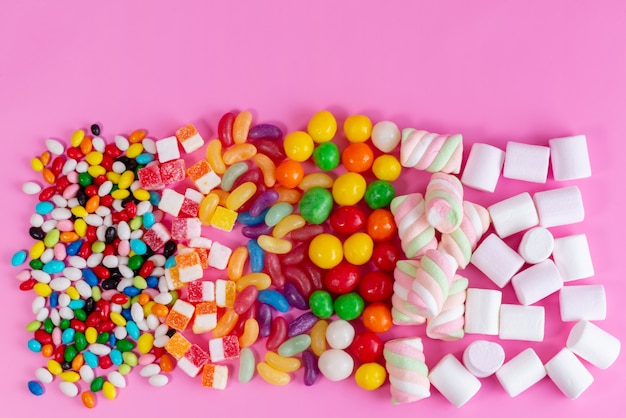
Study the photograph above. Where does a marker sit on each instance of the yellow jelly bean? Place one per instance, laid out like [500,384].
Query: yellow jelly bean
[250,333]
[69,376]
[72,293]
[117,319]
[80,227]
[274,245]
[77,137]
[386,167]
[241,126]
[349,189]
[91,335]
[145,343]
[42,289]
[207,208]
[109,391]
[287,224]
[325,251]
[54,367]
[238,153]
[141,194]
[225,324]
[271,375]
[358,248]
[358,128]
[96,170]
[260,280]
[298,146]
[147,308]
[120,194]
[214,156]
[223,195]
[240,195]
[126,179]
[322,127]
[318,337]
[267,167]
[94,158]
[113,177]
[237,262]
[36,164]
[134,150]
[283,364]
[79,211]
[37,250]
[370,376]
[316,180]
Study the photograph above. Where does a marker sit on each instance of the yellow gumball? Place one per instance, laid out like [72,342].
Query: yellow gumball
[322,126]
[370,376]
[358,128]
[358,248]
[325,251]
[349,189]
[298,146]
[386,167]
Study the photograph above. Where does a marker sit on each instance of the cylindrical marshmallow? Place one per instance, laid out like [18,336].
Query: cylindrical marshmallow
[558,207]
[431,152]
[448,325]
[526,162]
[536,245]
[568,374]
[572,257]
[483,167]
[444,202]
[482,311]
[537,282]
[461,242]
[593,344]
[402,312]
[586,302]
[521,372]
[497,260]
[408,373]
[416,235]
[454,381]
[523,323]
[513,215]
[483,358]
[570,158]
[432,283]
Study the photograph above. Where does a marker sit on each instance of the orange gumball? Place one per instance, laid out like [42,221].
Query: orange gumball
[357,157]
[289,174]
[381,225]
[377,317]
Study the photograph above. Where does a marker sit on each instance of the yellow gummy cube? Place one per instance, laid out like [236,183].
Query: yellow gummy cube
[223,219]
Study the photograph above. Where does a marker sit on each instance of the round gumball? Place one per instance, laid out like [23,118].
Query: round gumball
[379,194]
[358,248]
[298,146]
[385,256]
[343,278]
[315,205]
[349,306]
[377,317]
[375,286]
[347,219]
[349,188]
[339,334]
[325,251]
[289,174]
[381,225]
[357,157]
[321,304]
[335,364]
[386,167]
[370,376]
[358,128]
[367,347]
[322,126]
[326,156]
[386,136]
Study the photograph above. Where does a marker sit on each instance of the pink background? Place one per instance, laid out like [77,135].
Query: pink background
[494,71]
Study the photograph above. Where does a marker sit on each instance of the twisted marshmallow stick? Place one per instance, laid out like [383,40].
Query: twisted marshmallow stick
[416,235]
[402,312]
[461,242]
[448,325]
[432,283]
[408,373]
[444,202]
[431,152]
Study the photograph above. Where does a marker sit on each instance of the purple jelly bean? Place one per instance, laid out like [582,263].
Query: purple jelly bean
[265,130]
[273,149]
[294,297]
[311,371]
[255,231]
[264,201]
[264,318]
[302,324]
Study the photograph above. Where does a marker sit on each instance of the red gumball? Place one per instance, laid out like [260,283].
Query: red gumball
[347,220]
[343,278]
[385,256]
[376,286]
[367,347]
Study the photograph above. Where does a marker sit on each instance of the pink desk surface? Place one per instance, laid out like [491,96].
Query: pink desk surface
[494,71]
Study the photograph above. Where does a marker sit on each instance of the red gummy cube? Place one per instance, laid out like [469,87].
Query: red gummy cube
[150,178]
[173,171]
[231,347]
[191,204]
[200,291]
[193,360]
[156,237]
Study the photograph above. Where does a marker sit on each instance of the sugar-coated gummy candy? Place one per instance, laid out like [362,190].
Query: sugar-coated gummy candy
[379,194]
[294,297]
[321,304]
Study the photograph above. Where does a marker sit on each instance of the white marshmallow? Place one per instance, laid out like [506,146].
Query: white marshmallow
[483,167]
[523,323]
[171,202]
[572,257]
[593,344]
[513,215]
[570,158]
[583,302]
[537,282]
[483,358]
[219,256]
[568,374]
[482,311]
[521,372]
[167,149]
[453,380]
[526,162]
[558,207]
[536,245]
[496,260]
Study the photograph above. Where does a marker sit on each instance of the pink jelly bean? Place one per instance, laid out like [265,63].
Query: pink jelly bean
[65,225]
[306,233]
[300,279]
[23,275]
[56,336]
[72,177]
[278,334]
[245,299]
[59,252]
[295,256]
[146,359]
[70,191]
[123,249]
[274,269]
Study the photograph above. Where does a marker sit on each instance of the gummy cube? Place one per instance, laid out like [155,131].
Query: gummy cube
[171,202]
[172,279]
[200,242]
[173,171]
[180,315]
[191,203]
[201,291]
[156,237]
[167,149]
[150,178]
[203,176]
[206,317]
[193,360]
[225,292]
[219,256]
[223,219]
[189,266]
[189,138]
[203,253]
[215,376]
[186,228]
[225,348]
[177,345]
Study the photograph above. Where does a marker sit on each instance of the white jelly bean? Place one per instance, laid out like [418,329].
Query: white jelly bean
[38,303]
[120,332]
[83,289]
[82,167]
[59,201]
[161,341]
[68,389]
[43,375]
[60,284]
[49,225]
[153,321]
[47,256]
[158,380]
[41,276]
[110,261]
[163,298]
[161,330]
[94,260]
[99,349]
[86,373]
[150,370]
[121,142]
[66,313]
[42,314]
[136,312]
[54,146]
[103,211]
[72,273]
[69,166]
[149,145]
[123,230]
[30,187]
[98,144]
[77,262]
[36,220]
[116,379]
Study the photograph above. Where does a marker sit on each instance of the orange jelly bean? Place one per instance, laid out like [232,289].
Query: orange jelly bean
[160,310]
[92,204]
[137,136]
[267,167]
[241,127]
[143,298]
[289,174]
[237,262]
[238,153]
[287,195]
[225,324]
[47,350]
[69,236]
[45,158]
[86,146]
[88,399]
[167,363]
[78,362]
[214,156]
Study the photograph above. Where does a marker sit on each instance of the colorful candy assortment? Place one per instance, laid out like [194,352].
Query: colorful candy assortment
[126,267]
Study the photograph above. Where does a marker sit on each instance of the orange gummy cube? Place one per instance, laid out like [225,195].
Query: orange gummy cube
[214,376]
[186,260]
[198,170]
[186,132]
[177,346]
[173,278]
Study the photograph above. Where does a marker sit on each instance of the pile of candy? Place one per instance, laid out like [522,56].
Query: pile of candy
[128,270]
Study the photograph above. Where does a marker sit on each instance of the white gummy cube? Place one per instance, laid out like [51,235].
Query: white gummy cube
[171,202]
[204,323]
[208,182]
[526,162]
[167,149]
[219,256]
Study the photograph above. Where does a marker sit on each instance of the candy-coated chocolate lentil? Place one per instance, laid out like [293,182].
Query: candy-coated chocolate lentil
[321,304]
[348,189]
[250,333]
[35,388]
[325,251]
[274,245]
[301,324]
[348,306]
[294,345]
[246,365]
[343,278]
[225,324]
[272,375]
[278,333]
[358,248]
[274,299]
[289,174]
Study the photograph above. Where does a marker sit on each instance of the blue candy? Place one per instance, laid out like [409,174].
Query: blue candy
[76,304]
[155,198]
[138,246]
[68,335]
[170,262]
[152,281]
[144,158]
[116,357]
[257,256]
[35,388]
[54,267]
[245,218]
[54,299]
[90,277]
[126,314]
[131,291]
[44,208]
[73,248]
[132,329]
[18,258]
[112,339]
[91,359]
[273,298]
[148,220]
[34,346]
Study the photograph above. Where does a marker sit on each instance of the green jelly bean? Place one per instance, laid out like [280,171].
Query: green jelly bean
[80,314]
[80,342]
[231,175]
[379,194]
[139,282]
[70,353]
[52,238]
[277,212]
[96,384]
[85,179]
[36,264]
[126,305]
[130,358]
[135,262]
[321,304]
[48,325]
[96,293]
[326,156]
[64,324]
[103,338]
[316,205]
[349,306]
[124,345]
[174,297]
[136,223]
[246,365]
[124,369]
[98,247]
[295,345]
[33,326]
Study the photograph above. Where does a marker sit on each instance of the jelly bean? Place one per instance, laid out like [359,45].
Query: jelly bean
[43,375]
[289,174]
[267,167]
[367,347]
[298,146]
[277,212]
[158,380]
[225,324]
[274,245]
[318,337]
[18,258]
[231,174]
[240,195]
[294,297]
[326,156]
[225,129]
[273,149]
[274,269]
[325,251]
[34,346]
[288,224]
[348,306]
[294,345]
[109,391]
[284,364]
[274,299]
[379,194]
[278,333]
[96,384]
[260,280]
[257,256]
[312,180]
[237,262]
[370,376]
[321,304]
[35,388]
[250,176]
[386,167]
[44,208]
[255,231]
[245,299]
[301,324]
[69,376]
[265,130]
[348,189]
[264,318]
[357,128]
[271,375]
[343,278]
[238,153]
[263,202]
[241,126]
[246,218]
[207,208]
[295,256]
[306,233]
[166,363]
[250,333]
[299,277]
[214,156]
[311,371]
[88,400]
[376,286]
[246,365]
[358,248]
[357,157]
[339,334]
[287,195]
[377,317]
